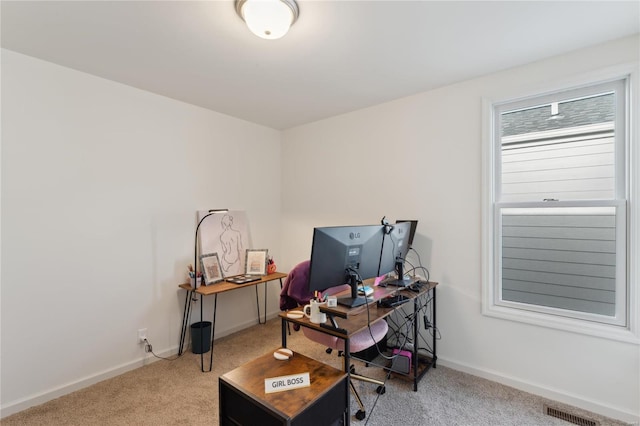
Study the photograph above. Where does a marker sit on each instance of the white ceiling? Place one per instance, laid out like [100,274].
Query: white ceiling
[339,56]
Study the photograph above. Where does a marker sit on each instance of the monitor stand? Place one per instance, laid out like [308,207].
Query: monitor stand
[401,281]
[354,300]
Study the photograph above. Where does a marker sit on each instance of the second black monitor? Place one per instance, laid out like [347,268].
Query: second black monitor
[394,251]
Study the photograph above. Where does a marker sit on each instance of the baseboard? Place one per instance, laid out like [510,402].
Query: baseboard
[249,322]
[545,392]
[40,398]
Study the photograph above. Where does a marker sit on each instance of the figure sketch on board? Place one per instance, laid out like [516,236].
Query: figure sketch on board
[231,240]
[228,235]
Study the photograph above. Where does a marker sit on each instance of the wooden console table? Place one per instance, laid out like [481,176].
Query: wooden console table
[243,400]
[215,289]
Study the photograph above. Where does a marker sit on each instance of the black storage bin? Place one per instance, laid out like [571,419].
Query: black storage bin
[201,337]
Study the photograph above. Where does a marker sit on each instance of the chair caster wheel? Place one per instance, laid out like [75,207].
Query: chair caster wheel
[328,350]
[381,390]
[361,415]
[352,369]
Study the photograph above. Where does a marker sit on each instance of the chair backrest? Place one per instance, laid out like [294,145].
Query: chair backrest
[295,291]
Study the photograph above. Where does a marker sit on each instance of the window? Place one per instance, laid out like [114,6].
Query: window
[556,228]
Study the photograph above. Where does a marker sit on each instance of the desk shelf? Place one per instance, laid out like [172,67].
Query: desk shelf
[425,363]
[422,359]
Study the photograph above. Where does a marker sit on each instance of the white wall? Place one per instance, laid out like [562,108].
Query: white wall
[100,187]
[100,184]
[420,158]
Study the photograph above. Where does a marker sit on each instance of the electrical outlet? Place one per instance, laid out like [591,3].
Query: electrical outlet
[142,335]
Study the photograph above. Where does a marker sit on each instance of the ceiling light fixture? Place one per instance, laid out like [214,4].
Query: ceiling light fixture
[269,19]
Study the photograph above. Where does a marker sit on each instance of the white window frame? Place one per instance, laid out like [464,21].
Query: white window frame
[622,328]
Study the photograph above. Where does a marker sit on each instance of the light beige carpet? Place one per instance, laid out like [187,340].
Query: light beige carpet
[177,392]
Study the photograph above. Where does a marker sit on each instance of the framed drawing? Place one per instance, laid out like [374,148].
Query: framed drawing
[226,233]
[256,262]
[211,268]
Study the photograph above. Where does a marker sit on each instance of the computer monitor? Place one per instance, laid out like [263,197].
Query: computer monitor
[394,251]
[345,255]
[412,233]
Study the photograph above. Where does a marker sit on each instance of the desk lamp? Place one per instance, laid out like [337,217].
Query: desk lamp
[195,272]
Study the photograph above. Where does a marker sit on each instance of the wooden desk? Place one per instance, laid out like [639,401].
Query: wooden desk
[215,289]
[243,401]
[355,320]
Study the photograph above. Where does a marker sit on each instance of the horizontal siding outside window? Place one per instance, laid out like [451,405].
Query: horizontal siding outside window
[559,205]
[560,257]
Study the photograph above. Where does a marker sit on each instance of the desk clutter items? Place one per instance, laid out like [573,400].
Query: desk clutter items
[283,354]
[312,310]
[196,281]
[295,314]
[271,266]
[393,301]
[243,279]
[256,267]
[365,291]
[285,383]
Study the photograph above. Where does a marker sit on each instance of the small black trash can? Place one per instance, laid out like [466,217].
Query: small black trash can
[200,345]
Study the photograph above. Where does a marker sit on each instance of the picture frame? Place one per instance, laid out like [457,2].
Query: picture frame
[256,261]
[211,269]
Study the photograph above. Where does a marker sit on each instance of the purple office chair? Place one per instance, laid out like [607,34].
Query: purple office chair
[295,292]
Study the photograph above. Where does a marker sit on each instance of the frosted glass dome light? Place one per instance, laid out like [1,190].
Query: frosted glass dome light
[268,19]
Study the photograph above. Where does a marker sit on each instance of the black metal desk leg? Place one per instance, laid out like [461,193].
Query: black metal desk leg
[434,328]
[265,303]
[347,367]
[201,334]
[213,329]
[285,325]
[347,358]
[415,344]
[185,320]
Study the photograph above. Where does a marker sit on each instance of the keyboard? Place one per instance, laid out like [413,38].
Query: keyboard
[392,301]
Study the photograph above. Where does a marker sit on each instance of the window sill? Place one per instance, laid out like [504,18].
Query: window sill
[605,331]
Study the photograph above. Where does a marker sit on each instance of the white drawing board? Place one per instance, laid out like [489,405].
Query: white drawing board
[228,235]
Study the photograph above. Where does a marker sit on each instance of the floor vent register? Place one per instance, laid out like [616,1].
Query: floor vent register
[568,417]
